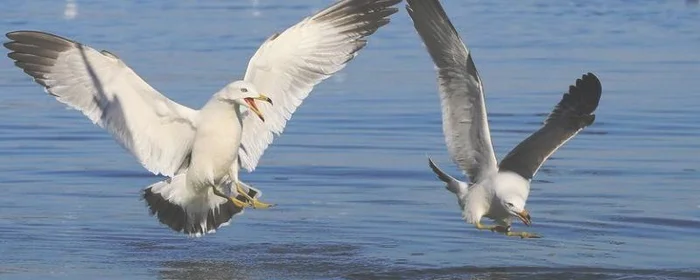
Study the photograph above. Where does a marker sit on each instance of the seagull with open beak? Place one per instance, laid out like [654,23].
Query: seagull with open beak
[250,101]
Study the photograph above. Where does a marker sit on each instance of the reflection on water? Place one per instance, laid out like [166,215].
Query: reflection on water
[356,199]
[254,261]
[191,270]
[256,10]
[71,10]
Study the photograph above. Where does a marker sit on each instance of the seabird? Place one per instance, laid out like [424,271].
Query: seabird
[201,151]
[496,191]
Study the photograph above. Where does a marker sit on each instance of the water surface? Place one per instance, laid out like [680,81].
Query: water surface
[356,199]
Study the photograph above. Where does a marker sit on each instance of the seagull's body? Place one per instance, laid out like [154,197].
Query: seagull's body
[496,191]
[207,193]
[201,151]
[215,146]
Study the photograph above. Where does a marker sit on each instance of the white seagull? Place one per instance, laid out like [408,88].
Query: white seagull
[495,191]
[202,150]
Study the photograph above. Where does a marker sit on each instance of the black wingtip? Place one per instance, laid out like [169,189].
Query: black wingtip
[577,106]
[588,90]
[439,173]
[41,40]
[367,10]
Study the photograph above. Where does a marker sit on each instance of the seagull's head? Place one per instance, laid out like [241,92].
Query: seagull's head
[244,94]
[512,192]
[516,208]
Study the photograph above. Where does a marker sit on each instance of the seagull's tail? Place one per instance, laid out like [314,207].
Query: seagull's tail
[186,211]
[453,185]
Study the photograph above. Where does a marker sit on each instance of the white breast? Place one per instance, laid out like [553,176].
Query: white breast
[216,144]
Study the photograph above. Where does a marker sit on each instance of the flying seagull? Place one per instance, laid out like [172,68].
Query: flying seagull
[201,151]
[495,191]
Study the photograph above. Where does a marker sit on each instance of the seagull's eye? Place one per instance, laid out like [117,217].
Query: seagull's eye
[509,204]
[244,90]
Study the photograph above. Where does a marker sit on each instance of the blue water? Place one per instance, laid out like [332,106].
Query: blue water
[356,198]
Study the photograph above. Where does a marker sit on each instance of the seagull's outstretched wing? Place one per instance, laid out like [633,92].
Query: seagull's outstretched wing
[573,113]
[155,129]
[464,121]
[288,65]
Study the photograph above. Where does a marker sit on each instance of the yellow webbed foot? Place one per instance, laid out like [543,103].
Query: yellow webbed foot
[257,204]
[523,234]
[239,203]
[236,200]
[506,230]
[251,201]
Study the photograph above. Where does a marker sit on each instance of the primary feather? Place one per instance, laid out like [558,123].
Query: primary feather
[156,130]
[464,121]
[288,65]
[200,150]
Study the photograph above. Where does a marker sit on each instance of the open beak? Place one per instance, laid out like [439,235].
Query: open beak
[525,217]
[253,107]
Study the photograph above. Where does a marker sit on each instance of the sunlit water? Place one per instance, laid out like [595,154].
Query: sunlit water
[356,199]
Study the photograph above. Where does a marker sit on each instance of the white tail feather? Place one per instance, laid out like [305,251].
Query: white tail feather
[187,211]
[453,185]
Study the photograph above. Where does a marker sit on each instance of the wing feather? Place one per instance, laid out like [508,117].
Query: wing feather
[288,65]
[572,114]
[464,119]
[152,127]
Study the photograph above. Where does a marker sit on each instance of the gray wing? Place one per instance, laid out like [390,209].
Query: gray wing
[464,121]
[573,113]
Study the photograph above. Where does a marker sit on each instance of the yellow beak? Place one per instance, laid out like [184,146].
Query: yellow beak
[253,107]
[262,97]
[525,217]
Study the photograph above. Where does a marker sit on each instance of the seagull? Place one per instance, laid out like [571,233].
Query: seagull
[201,151]
[495,191]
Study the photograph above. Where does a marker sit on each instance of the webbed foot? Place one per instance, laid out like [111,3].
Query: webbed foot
[251,201]
[523,234]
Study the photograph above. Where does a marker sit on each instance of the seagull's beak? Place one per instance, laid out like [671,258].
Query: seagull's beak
[253,107]
[525,217]
[262,97]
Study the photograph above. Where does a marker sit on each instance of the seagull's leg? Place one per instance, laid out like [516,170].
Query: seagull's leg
[236,201]
[233,176]
[253,202]
[496,228]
